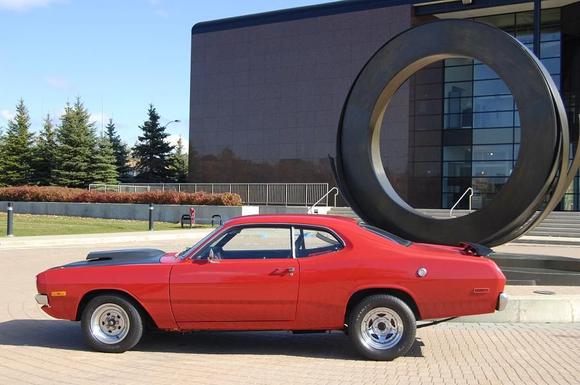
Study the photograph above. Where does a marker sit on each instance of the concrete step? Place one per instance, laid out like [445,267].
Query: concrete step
[557,227]
[341,209]
[552,234]
[557,216]
[557,224]
[567,222]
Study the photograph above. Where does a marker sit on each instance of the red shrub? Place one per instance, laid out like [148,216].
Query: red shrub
[63,194]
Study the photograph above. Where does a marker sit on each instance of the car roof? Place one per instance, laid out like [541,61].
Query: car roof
[305,219]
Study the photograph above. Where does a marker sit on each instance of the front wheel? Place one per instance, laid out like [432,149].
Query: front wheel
[382,327]
[111,324]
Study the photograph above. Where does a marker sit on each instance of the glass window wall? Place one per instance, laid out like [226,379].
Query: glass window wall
[480,118]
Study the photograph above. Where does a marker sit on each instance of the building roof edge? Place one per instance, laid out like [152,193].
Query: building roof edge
[333,8]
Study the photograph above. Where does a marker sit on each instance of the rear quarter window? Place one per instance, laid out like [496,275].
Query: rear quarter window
[311,242]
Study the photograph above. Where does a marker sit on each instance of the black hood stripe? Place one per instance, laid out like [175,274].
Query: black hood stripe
[120,257]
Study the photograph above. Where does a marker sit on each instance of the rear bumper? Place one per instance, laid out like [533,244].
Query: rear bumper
[502,301]
[41,299]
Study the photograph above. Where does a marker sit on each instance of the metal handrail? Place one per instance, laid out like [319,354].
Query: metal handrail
[334,189]
[470,191]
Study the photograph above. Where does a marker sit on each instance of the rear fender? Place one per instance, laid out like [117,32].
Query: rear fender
[396,291]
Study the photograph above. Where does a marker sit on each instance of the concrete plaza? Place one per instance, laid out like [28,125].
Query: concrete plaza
[35,349]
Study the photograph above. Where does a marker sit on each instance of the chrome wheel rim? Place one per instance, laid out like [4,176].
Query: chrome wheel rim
[110,323]
[381,328]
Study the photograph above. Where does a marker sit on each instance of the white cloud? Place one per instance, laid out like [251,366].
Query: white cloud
[58,82]
[6,114]
[174,138]
[158,8]
[24,5]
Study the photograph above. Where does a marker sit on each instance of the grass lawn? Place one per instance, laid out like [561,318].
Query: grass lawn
[27,224]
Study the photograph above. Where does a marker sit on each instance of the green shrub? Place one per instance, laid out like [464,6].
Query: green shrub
[63,194]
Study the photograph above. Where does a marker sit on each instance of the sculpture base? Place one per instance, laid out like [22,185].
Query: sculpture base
[546,270]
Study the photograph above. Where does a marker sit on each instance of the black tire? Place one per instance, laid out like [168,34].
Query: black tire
[399,342]
[108,306]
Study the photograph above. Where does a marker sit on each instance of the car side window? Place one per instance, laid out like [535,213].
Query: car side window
[310,242]
[252,243]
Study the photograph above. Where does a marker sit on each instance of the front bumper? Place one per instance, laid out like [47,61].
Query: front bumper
[502,301]
[41,299]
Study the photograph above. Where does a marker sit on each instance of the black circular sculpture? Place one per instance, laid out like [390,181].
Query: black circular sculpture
[543,171]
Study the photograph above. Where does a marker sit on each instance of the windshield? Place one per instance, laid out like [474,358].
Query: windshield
[385,234]
[198,243]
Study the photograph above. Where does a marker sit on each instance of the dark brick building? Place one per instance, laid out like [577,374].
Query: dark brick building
[267,91]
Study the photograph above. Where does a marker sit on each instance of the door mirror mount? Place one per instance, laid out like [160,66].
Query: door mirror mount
[212,257]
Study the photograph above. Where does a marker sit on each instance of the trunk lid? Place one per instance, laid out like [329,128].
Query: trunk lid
[463,249]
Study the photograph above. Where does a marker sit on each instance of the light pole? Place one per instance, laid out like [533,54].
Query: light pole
[10,215]
[171,121]
[151,225]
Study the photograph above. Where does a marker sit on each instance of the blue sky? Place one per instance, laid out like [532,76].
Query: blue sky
[118,56]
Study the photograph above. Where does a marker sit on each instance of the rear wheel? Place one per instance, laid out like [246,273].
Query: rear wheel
[382,327]
[111,324]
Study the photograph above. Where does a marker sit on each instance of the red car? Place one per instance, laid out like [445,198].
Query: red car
[276,272]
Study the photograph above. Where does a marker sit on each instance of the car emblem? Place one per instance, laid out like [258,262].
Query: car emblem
[421,272]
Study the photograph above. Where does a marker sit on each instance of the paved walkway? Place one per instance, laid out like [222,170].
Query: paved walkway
[102,240]
[35,349]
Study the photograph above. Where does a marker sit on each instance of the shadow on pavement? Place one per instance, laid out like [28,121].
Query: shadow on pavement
[67,335]
[44,333]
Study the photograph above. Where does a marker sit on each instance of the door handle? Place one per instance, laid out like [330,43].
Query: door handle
[281,271]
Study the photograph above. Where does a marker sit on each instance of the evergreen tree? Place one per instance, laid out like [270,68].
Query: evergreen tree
[17,149]
[120,151]
[152,151]
[104,168]
[1,156]
[76,147]
[44,160]
[179,163]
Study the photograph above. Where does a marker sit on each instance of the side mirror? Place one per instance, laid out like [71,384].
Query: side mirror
[212,258]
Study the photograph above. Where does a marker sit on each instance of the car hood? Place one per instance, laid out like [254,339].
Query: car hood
[121,257]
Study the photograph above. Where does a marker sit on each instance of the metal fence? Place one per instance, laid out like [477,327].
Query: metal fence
[269,194]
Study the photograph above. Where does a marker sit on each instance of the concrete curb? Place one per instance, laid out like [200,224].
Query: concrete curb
[529,309]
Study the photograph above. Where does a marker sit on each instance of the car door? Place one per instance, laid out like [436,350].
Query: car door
[325,276]
[253,276]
